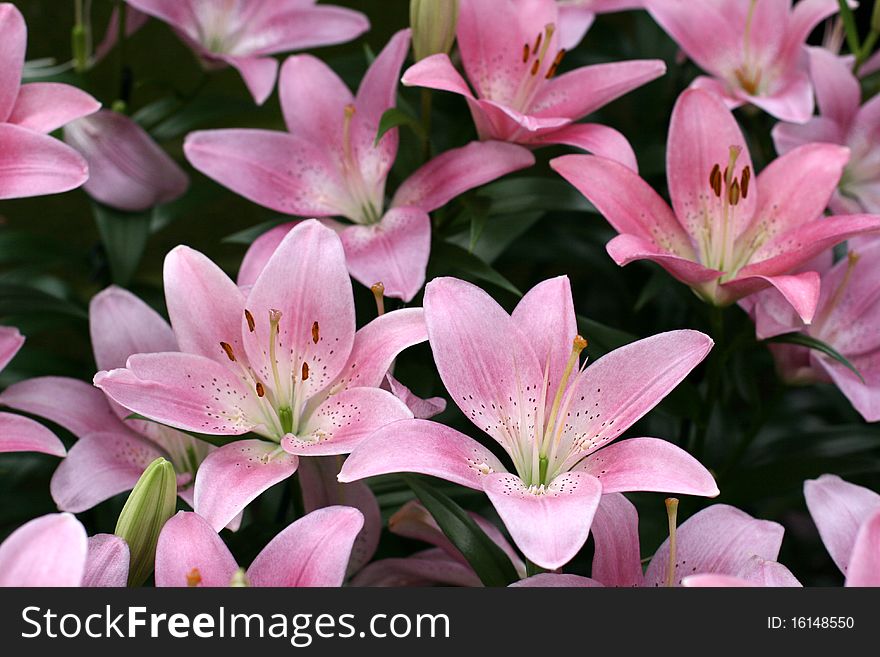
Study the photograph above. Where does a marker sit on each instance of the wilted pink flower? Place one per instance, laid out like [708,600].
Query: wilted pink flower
[848,518]
[842,120]
[312,551]
[847,318]
[282,361]
[127,169]
[53,550]
[442,565]
[753,50]
[518,379]
[245,34]
[17,433]
[729,233]
[511,51]
[31,162]
[329,165]
[112,451]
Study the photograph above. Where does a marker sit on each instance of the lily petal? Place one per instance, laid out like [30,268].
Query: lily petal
[12,49]
[32,164]
[46,106]
[107,562]
[864,563]
[190,553]
[47,551]
[617,560]
[22,434]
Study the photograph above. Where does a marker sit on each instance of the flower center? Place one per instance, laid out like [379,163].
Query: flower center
[367,209]
[748,74]
[536,67]
[717,242]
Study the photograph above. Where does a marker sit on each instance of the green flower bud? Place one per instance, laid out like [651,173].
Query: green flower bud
[239,579]
[433,26]
[149,506]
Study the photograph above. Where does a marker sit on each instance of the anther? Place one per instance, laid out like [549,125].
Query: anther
[535,66]
[305,371]
[538,42]
[555,65]
[733,193]
[228,349]
[250,320]
[715,180]
[744,181]
[526,53]
[316,333]
[193,578]
[261,391]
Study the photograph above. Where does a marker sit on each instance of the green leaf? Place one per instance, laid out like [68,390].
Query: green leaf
[393,118]
[849,25]
[525,194]
[248,235]
[26,300]
[601,338]
[804,340]
[489,561]
[456,258]
[125,236]
[151,114]
[198,112]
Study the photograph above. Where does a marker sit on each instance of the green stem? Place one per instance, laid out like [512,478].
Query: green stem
[126,81]
[79,39]
[849,25]
[426,122]
[871,40]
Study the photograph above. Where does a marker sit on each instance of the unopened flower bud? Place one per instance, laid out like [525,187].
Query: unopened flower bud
[149,506]
[433,26]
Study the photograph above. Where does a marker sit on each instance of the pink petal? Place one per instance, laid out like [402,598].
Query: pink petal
[282,172]
[799,290]
[701,133]
[47,551]
[75,405]
[99,466]
[134,20]
[107,562]
[184,391]
[436,72]
[864,563]
[320,488]
[863,395]
[490,384]
[574,23]
[649,464]
[178,14]
[259,252]
[546,315]
[768,573]
[718,540]
[393,252]
[458,170]
[594,138]
[584,90]
[423,447]
[128,170]
[21,434]
[259,74]
[378,344]
[619,388]
[190,550]
[838,93]
[617,560]
[805,16]
[233,476]
[788,136]
[556,580]
[12,49]
[344,420]
[46,106]
[313,100]
[205,306]
[11,340]
[627,248]
[793,190]
[794,102]
[716,581]
[422,409]
[426,568]
[32,164]
[307,281]
[313,551]
[121,325]
[550,526]
[839,509]
[629,204]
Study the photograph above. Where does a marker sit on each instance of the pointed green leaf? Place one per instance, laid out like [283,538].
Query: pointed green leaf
[125,236]
[808,341]
[394,118]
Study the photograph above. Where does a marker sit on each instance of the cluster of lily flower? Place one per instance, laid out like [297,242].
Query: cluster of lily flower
[275,362]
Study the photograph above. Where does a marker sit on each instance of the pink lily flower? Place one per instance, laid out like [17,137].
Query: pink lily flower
[328,165]
[128,170]
[842,120]
[511,50]
[729,233]
[282,361]
[17,433]
[754,51]
[112,451]
[517,377]
[848,518]
[31,162]
[846,319]
[245,34]
[442,565]
[577,16]
[312,551]
[54,550]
